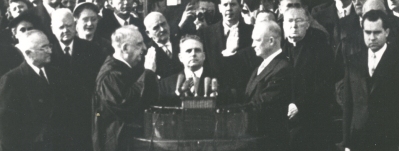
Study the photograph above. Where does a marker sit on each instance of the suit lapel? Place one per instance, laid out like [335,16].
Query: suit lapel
[256,79]
[362,66]
[383,67]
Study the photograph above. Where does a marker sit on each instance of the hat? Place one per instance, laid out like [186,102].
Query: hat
[84,5]
[25,16]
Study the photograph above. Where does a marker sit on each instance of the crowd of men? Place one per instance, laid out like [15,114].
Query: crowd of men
[79,77]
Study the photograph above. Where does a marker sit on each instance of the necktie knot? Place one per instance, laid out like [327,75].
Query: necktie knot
[167,51]
[67,50]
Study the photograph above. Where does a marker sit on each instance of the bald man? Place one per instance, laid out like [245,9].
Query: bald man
[165,45]
[81,60]
[29,96]
[123,91]
[269,86]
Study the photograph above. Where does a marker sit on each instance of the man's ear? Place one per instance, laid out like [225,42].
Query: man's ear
[387,31]
[124,47]
[13,30]
[148,33]
[272,41]
[180,57]
[28,52]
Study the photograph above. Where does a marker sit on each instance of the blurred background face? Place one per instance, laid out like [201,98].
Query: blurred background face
[192,54]
[22,28]
[135,49]
[17,8]
[285,4]
[70,4]
[158,29]
[375,36]
[230,10]
[393,5]
[122,7]
[248,15]
[86,24]
[64,28]
[99,3]
[358,4]
[295,24]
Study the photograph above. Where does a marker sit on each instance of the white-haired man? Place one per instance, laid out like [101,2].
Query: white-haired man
[123,90]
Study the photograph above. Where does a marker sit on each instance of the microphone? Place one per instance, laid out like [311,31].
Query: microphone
[207,83]
[180,80]
[214,87]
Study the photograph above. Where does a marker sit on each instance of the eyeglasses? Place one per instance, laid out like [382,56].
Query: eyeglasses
[46,47]
[24,29]
[297,20]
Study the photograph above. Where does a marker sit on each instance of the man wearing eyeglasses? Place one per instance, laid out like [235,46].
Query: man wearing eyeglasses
[30,97]
[81,60]
[311,57]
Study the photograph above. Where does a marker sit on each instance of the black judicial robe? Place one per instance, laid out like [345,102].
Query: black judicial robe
[121,96]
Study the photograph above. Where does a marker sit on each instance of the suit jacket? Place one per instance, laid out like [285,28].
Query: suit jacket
[29,109]
[166,66]
[312,80]
[224,68]
[122,94]
[167,88]
[270,92]
[326,15]
[108,24]
[370,114]
[81,70]
[10,58]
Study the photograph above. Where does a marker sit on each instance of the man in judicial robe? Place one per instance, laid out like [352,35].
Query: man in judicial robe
[222,42]
[371,119]
[269,87]
[123,91]
[31,99]
[192,56]
[165,44]
[311,57]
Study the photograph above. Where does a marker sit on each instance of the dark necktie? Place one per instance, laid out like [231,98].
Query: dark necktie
[67,53]
[42,76]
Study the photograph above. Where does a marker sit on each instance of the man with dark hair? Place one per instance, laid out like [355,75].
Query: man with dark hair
[44,9]
[198,15]
[223,41]
[371,90]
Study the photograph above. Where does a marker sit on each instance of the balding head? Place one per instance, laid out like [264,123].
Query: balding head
[265,16]
[35,47]
[373,5]
[266,38]
[157,28]
[128,44]
[63,25]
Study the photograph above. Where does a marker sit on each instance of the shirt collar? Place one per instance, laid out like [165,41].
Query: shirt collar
[167,44]
[35,68]
[379,53]
[117,57]
[341,10]
[121,21]
[269,59]
[190,73]
[227,28]
[70,47]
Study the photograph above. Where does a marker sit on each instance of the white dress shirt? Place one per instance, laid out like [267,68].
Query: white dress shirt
[227,28]
[267,61]
[342,12]
[122,21]
[168,46]
[70,47]
[395,13]
[374,59]
[37,69]
[196,75]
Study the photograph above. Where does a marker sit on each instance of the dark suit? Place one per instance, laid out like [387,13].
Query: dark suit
[165,65]
[224,68]
[119,101]
[167,88]
[270,93]
[10,58]
[370,109]
[108,24]
[81,70]
[312,87]
[29,109]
